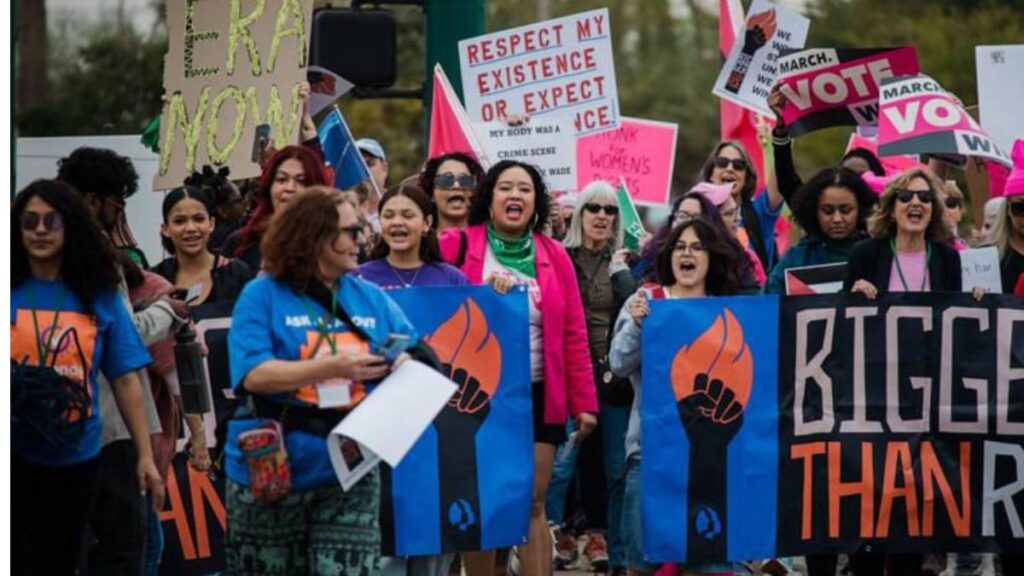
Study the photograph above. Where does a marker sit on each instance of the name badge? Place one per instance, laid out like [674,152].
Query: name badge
[334,393]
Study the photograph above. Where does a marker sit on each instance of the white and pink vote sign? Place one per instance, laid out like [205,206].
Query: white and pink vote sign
[917,116]
[828,87]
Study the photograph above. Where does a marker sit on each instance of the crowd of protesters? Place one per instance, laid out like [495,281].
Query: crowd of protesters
[96,400]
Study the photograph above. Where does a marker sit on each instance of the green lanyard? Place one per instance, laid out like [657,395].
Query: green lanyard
[899,270]
[44,348]
[321,324]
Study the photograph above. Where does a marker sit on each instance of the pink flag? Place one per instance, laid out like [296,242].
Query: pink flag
[737,123]
[450,128]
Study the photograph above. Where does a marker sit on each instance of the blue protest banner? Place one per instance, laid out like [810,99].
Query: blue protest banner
[467,483]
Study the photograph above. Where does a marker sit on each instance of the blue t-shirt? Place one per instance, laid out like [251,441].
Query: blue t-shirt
[767,218]
[435,274]
[272,322]
[109,343]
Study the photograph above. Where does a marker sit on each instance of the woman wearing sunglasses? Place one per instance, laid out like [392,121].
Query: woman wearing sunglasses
[296,352]
[1008,232]
[68,325]
[449,181]
[953,200]
[729,163]
[504,246]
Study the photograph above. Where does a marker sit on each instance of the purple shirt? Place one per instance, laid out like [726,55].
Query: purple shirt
[381,273]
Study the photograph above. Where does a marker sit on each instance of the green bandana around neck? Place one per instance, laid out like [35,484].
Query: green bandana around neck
[518,254]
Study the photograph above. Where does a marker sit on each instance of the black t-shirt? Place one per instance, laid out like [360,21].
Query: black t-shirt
[1011,268]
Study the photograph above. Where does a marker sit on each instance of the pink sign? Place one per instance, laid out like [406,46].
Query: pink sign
[893,164]
[642,152]
[828,87]
[917,116]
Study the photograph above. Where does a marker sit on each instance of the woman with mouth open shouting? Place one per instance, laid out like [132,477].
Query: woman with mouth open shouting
[449,180]
[504,246]
[695,261]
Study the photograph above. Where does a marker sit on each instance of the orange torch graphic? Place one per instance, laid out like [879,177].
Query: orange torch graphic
[712,379]
[760,28]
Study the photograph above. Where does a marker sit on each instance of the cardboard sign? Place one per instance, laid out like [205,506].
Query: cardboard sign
[918,116]
[1001,91]
[563,65]
[640,152]
[828,87]
[229,69]
[750,71]
[981,268]
[549,143]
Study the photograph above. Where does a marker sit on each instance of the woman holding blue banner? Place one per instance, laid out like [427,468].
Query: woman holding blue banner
[696,261]
[504,246]
[303,348]
[833,210]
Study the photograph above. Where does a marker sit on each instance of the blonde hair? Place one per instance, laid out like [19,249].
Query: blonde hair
[598,189]
[883,223]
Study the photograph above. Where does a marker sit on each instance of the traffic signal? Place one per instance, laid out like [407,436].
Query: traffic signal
[358,45]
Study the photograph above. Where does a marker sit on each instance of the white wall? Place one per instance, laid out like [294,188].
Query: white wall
[37,158]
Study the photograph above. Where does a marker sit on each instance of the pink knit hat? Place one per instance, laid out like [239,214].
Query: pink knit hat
[1015,183]
[716,193]
[877,183]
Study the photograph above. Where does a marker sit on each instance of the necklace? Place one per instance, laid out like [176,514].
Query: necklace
[401,278]
[899,269]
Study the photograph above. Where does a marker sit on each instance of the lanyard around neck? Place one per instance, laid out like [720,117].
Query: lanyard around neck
[899,269]
[42,348]
[322,324]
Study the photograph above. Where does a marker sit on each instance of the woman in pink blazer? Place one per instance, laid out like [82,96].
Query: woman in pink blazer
[503,246]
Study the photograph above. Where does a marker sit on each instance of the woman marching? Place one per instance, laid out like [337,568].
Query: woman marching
[503,246]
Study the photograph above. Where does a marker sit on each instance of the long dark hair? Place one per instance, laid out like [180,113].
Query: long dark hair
[171,200]
[750,220]
[805,202]
[88,258]
[721,279]
[480,209]
[252,232]
[429,173]
[430,253]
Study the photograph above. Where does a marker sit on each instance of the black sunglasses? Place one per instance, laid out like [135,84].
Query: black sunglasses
[52,221]
[352,231]
[1016,208]
[737,163]
[953,203]
[594,208]
[904,195]
[450,181]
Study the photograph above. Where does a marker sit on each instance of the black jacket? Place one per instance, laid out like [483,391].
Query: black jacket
[872,261]
[229,277]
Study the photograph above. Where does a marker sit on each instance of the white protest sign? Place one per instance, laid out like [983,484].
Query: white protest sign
[547,143]
[981,268]
[325,87]
[1001,92]
[750,71]
[563,65]
[388,422]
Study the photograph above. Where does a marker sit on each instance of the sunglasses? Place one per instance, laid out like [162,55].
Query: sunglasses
[594,208]
[352,231]
[1016,208]
[52,221]
[450,181]
[953,203]
[737,163]
[905,196]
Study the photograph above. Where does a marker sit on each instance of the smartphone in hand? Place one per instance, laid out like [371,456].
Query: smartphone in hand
[393,345]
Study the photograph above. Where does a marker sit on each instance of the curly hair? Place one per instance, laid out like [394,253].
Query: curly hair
[480,209]
[429,173]
[316,175]
[883,223]
[430,252]
[172,199]
[722,278]
[805,201]
[88,259]
[297,234]
[100,171]
[216,186]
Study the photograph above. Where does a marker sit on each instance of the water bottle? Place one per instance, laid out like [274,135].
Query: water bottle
[188,359]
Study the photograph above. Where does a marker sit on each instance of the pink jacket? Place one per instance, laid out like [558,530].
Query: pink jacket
[568,372]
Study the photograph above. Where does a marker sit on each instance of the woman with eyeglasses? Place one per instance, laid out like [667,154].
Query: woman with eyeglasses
[296,351]
[504,246]
[1008,231]
[729,163]
[696,260]
[68,325]
[289,171]
[449,181]
[833,210]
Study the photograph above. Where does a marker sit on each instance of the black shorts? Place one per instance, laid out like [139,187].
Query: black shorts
[543,433]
